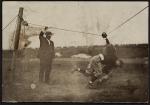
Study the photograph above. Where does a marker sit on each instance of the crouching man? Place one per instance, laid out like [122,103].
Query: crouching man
[99,71]
[101,65]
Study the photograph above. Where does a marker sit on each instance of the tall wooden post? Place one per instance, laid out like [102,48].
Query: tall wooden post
[17,36]
[16,42]
[16,45]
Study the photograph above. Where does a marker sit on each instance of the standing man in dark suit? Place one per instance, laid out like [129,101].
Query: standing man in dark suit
[46,54]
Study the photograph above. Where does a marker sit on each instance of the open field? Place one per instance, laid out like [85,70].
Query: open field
[129,84]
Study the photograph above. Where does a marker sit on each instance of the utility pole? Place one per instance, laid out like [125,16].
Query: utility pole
[17,36]
[16,45]
[16,42]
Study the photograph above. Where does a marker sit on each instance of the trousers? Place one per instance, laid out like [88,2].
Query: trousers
[45,70]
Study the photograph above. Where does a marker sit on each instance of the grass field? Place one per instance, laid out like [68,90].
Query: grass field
[129,84]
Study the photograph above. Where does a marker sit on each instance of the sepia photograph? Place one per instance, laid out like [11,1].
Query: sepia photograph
[62,51]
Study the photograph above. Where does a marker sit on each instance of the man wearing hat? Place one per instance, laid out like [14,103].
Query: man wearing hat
[46,55]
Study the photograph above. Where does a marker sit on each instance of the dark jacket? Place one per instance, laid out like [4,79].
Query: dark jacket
[46,50]
[109,53]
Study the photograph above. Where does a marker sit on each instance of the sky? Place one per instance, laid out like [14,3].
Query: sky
[92,17]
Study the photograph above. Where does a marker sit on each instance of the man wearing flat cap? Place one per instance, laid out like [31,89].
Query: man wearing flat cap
[46,55]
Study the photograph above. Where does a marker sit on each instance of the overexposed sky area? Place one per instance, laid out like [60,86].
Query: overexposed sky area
[92,17]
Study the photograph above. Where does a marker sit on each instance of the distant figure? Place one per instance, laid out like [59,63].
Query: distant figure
[46,55]
[100,66]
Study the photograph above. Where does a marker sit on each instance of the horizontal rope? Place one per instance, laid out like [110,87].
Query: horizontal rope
[65,29]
